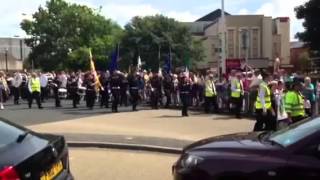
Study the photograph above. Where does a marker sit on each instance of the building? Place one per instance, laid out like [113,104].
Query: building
[13,52]
[298,50]
[258,38]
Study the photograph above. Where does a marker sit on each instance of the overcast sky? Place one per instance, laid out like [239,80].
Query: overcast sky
[122,11]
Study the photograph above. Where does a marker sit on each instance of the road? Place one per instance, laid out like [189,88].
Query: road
[120,165]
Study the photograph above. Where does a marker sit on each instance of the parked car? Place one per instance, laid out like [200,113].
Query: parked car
[25,155]
[290,153]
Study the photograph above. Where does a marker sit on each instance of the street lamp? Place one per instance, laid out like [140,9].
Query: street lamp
[6,58]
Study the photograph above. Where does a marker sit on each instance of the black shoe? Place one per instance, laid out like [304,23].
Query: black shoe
[40,107]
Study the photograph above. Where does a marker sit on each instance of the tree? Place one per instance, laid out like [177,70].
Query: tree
[153,38]
[310,12]
[61,32]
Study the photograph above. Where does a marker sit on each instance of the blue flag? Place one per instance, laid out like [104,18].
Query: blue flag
[114,60]
[168,66]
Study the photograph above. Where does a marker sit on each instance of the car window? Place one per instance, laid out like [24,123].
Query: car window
[296,132]
[8,134]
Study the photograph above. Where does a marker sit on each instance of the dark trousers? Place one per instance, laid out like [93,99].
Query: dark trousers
[36,96]
[134,99]
[167,93]
[75,97]
[16,95]
[155,96]
[56,97]
[124,98]
[44,93]
[116,98]
[265,122]
[185,100]
[297,119]
[90,98]
[104,98]
[237,105]
[208,101]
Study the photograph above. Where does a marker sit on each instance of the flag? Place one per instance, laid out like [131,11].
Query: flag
[139,64]
[160,72]
[167,67]
[114,60]
[93,70]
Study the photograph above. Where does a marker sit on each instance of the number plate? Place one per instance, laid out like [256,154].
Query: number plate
[53,172]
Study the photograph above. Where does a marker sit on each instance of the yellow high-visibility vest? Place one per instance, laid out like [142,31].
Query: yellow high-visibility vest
[237,93]
[294,104]
[267,97]
[35,85]
[210,90]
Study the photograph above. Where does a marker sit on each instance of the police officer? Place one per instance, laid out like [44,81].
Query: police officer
[294,103]
[210,94]
[237,94]
[91,93]
[35,90]
[74,87]
[155,83]
[168,88]
[115,83]
[134,84]
[104,80]
[185,88]
[264,111]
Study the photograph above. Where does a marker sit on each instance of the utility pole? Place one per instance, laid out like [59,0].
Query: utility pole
[222,64]
[6,58]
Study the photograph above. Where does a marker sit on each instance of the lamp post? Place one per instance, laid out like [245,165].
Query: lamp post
[222,64]
[6,58]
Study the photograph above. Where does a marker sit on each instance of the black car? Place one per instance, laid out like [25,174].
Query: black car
[290,153]
[28,155]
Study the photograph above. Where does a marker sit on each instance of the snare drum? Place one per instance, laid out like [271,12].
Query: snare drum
[62,93]
[82,91]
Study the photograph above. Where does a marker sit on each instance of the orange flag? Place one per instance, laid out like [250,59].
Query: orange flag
[93,69]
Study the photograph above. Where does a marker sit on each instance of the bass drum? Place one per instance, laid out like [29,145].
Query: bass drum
[62,93]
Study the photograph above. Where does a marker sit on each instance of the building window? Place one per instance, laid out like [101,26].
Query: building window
[255,43]
[231,44]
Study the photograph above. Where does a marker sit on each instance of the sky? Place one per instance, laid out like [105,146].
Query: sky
[12,12]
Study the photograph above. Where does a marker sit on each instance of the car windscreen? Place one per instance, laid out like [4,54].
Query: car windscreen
[8,134]
[296,132]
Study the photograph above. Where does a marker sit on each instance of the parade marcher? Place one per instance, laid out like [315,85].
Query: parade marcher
[156,90]
[123,91]
[167,87]
[17,81]
[74,87]
[104,92]
[44,84]
[35,90]
[175,93]
[310,96]
[56,85]
[282,116]
[294,103]
[91,93]
[210,94]
[134,90]
[237,94]
[264,114]
[185,88]
[115,84]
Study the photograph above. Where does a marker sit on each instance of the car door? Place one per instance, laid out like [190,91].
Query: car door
[305,164]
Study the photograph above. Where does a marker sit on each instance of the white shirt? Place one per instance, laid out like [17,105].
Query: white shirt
[43,80]
[64,80]
[17,80]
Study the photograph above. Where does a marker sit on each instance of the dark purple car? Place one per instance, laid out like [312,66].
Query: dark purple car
[292,153]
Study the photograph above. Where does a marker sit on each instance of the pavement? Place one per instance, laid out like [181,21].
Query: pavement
[93,163]
[154,130]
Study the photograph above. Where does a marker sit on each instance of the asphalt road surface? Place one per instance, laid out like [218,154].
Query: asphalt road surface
[24,116]
[103,164]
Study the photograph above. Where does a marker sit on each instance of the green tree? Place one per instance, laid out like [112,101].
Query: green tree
[150,35]
[61,32]
[310,13]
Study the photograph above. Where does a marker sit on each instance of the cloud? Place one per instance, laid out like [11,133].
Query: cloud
[243,11]
[278,8]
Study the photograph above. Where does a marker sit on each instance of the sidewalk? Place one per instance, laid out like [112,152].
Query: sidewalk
[163,128]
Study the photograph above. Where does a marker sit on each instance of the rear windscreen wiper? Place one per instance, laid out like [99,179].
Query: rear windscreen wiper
[21,137]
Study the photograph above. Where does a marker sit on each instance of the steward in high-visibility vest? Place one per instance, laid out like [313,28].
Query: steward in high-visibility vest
[35,89]
[265,114]
[237,94]
[210,95]
[294,103]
